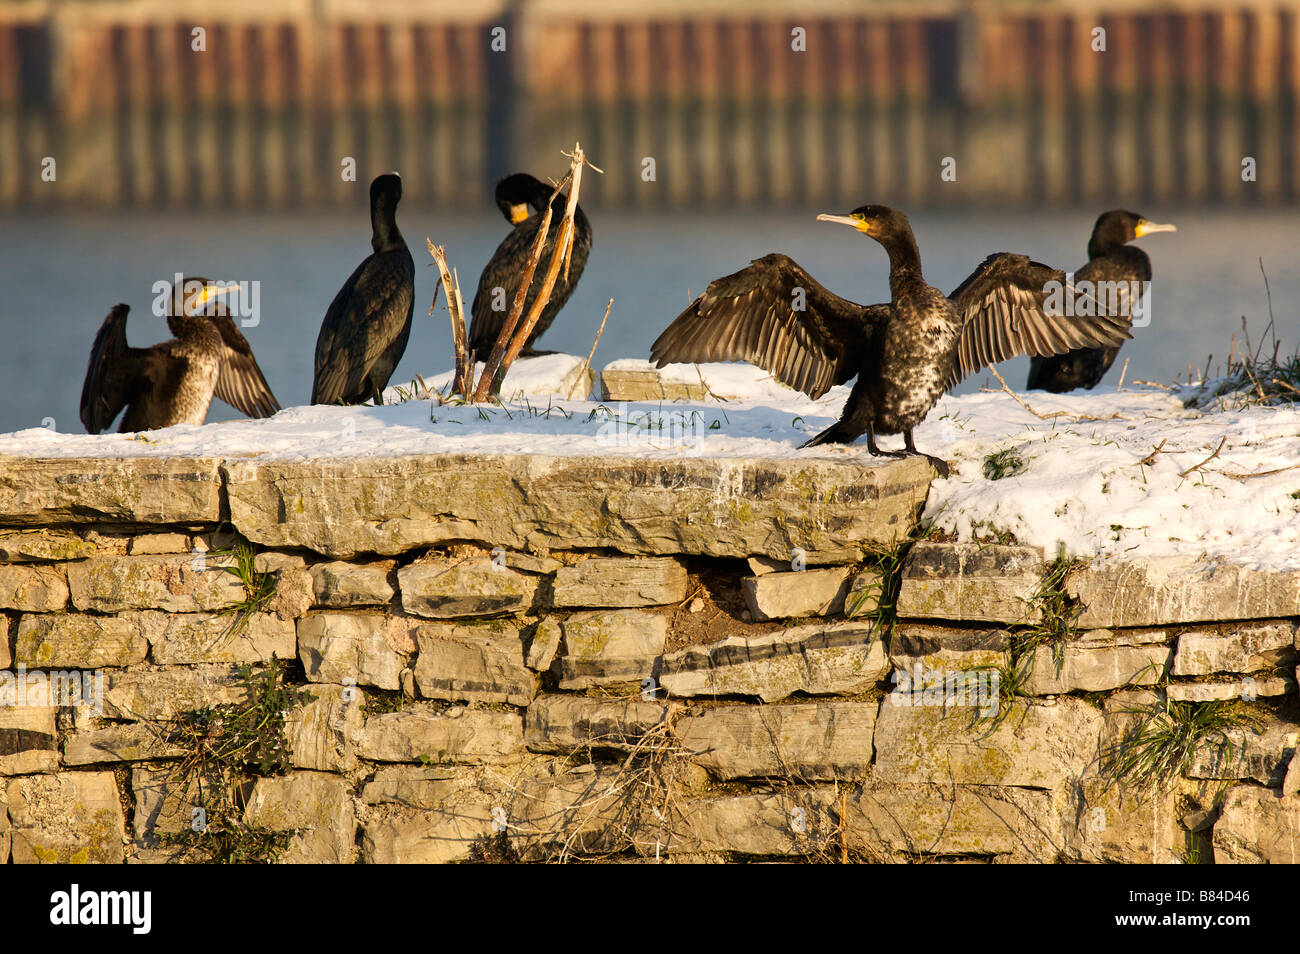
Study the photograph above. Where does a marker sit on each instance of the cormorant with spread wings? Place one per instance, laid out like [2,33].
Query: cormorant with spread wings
[905,354]
[174,381]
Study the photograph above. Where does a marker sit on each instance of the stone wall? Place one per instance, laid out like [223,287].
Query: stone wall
[687,660]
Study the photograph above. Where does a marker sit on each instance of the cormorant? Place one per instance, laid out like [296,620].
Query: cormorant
[173,382]
[365,331]
[516,195]
[1110,259]
[905,354]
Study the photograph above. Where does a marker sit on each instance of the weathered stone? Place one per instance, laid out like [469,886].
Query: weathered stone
[473,662]
[1262,753]
[72,818]
[321,733]
[26,546]
[621,581]
[530,563]
[1035,746]
[559,723]
[1248,648]
[793,594]
[970,581]
[1255,826]
[912,820]
[1096,661]
[813,742]
[28,740]
[156,543]
[178,639]
[109,490]
[1125,824]
[819,659]
[6,658]
[171,583]
[426,838]
[136,742]
[1248,688]
[317,807]
[1164,590]
[340,584]
[799,821]
[457,736]
[420,787]
[159,694]
[472,588]
[353,648]
[165,801]
[33,589]
[710,507]
[949,650]
[863,597]
[74,641]
[646,384]
[1291,780]
[4,827]
[584,810]
[606,647]
[544,644]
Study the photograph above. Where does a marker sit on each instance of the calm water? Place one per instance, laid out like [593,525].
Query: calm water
[62,273]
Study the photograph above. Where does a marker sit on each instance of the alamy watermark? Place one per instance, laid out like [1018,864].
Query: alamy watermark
[1086,299]
[239,299]
[55,687]
[679,429]
[942,688]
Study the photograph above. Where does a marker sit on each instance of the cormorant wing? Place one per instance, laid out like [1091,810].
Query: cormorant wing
[1004,312]
[113,374]
[754,315]
[240,382]
[364,318]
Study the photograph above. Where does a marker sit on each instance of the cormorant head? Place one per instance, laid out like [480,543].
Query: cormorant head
[1119,226]
[193,296]
[387,187]
[879,221]
[520,195]
[887,226]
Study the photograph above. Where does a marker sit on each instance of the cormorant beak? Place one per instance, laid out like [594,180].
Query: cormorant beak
[850,221]
[197,303]
[1146,228]
[518,213]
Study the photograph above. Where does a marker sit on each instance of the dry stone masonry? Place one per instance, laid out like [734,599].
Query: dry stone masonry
[537,658]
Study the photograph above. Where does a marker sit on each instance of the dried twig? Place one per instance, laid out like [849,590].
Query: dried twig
[1195,467]
[1151,458]
[563,248]
[456,308]
[1054,414]
[586,365]
[1261,473]
[1123,371]
[497,355]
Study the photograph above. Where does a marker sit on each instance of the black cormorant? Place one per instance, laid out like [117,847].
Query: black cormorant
[522,200]
[173,382]
[365,331]
[1110,259]
[905,354]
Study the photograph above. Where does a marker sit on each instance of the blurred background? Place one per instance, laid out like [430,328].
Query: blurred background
[143,137]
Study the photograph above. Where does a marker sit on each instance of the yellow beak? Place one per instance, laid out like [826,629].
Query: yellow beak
[1146,228]
[848,220]
[196,302]
[518,213]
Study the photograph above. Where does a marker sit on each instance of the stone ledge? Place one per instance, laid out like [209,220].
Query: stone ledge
[703,506]
[181,490]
